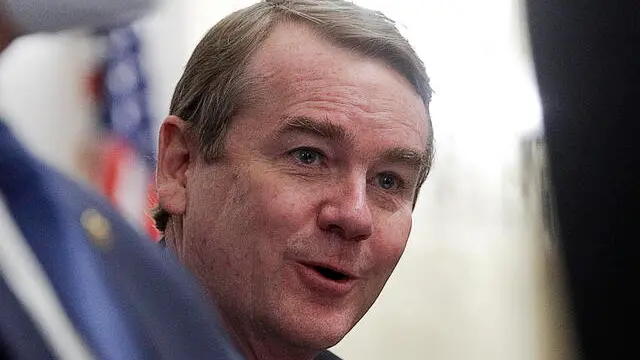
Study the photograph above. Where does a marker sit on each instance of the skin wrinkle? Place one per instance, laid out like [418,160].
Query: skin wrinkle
[323,128]
[344,97]
[331,97]
[354,110]
[289,82]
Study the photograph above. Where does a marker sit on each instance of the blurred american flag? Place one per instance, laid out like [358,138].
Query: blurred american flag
[127,145]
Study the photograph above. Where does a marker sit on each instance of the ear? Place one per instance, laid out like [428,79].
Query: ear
[174,159]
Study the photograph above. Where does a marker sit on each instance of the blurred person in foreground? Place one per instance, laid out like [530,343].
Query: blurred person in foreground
[586,56]
[76,282]
[298,139]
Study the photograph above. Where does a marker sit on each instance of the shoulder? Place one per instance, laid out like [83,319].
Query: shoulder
[83,244]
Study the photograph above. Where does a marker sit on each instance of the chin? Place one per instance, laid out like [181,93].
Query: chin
[319,334]
[318,340]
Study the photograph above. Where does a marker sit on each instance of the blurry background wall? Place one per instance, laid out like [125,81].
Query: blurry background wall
[478,279]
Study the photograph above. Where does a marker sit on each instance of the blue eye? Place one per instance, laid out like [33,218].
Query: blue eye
[388,181]
[307,156]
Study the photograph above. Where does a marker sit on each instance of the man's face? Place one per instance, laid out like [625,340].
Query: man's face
[296,230]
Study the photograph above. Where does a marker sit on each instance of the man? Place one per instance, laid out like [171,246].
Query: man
[298,139]
[76,281]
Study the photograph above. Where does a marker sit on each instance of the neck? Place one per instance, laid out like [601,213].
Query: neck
[262,345]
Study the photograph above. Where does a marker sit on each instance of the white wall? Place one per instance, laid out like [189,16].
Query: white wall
[471,283]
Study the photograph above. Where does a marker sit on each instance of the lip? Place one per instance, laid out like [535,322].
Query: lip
[350,274]
[322,285]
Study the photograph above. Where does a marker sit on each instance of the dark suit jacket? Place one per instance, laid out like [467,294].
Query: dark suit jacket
[326,355]
[125,297]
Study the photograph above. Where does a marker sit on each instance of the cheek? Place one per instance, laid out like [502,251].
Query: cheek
[390,245]
[282,206]
[214,223]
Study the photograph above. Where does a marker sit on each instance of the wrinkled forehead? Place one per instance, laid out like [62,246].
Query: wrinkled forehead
[295,64]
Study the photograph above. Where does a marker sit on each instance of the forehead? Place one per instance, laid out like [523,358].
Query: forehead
[305,75]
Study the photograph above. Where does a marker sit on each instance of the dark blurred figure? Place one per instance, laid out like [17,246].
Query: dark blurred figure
[587,57]
[76,282]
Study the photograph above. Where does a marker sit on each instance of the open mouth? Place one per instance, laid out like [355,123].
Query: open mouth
[325,280]
[331,274]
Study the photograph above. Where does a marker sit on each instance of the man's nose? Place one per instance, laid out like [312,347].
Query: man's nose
[346,211]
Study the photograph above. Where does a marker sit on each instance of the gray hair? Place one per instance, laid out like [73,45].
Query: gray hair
[216,83]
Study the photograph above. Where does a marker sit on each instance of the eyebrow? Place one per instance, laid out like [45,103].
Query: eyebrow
[411,157]
[321,128]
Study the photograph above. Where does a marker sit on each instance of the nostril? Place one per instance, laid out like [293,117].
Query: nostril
[335,229]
